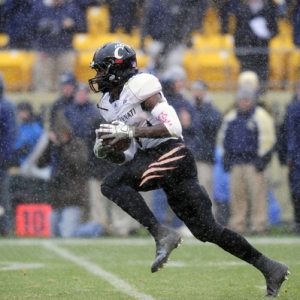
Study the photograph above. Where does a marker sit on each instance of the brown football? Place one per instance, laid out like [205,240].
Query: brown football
[121,145]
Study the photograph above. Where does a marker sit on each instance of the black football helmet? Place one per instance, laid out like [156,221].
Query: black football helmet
[114,63]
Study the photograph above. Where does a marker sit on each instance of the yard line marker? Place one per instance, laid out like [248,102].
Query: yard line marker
[116,282]
[139,241]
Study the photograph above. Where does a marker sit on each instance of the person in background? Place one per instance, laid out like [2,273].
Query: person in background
[55,23]
[29,132]
[67,83]
[68,185]
[18,25]
[221,189]
[247,136]
[81,111]
[178,75]
[177,20]
[291,139]
[256,25]
[123,14]
[8,129]
[209,120]
[83,6]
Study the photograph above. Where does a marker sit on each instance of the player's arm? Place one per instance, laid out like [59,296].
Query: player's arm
[161,110]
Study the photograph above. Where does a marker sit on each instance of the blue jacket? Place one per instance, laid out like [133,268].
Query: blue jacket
[209,121]
[221,179]
[293,145]
[81,117]
[27,137]
[17,23]
[247,138]
[177,101]
[296,26]
[7,131]
[50,36]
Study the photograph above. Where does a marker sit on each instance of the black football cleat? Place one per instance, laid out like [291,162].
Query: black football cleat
[164,247]
[277,273]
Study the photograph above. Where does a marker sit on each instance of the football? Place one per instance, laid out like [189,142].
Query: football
[121,145]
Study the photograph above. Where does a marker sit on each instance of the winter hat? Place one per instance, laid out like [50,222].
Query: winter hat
[67,78]
[248,77]
[25,105]
[199,85]
[175,73]
[246,92]
[82,86]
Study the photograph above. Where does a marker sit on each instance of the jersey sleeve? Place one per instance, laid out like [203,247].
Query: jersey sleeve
[144,86]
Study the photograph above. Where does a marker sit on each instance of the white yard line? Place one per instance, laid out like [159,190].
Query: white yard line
[139,241]
[116,282]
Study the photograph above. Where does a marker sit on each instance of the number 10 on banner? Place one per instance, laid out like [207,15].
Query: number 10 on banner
[33,220]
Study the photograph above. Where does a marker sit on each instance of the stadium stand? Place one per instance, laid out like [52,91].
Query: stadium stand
[281,49]
[4,39]
[17,67]
[211,56]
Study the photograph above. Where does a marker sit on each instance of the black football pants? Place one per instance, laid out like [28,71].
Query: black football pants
[171,166]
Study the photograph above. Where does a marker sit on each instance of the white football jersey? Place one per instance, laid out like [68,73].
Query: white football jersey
[128,107]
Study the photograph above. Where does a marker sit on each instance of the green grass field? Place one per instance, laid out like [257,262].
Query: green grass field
[119,268]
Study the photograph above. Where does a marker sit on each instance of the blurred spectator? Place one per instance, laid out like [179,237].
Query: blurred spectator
[108,214]
[7,139]
[2,18]
[68,185]
[29,132]
[81,111]
[256,25]
[67,83]
[123,14]
[292,156]
[281,7]
[251,78]
[83,5]
[18,23]
[209,120]
[296,24]
[174,23]
[27,181]
[248,138]
[178,76]
[55,23]
[221,188]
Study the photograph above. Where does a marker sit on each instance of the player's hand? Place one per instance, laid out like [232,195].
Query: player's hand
[101,150]
[117,131]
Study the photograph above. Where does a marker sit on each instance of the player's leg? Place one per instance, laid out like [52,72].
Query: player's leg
[122,187]
[191,203]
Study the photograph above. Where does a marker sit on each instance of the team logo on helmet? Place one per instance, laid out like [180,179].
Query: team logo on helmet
[119,51]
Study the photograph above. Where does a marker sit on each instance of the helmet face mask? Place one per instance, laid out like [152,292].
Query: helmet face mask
[114,63]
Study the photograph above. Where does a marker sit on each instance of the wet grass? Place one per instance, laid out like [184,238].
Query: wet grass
[114,268]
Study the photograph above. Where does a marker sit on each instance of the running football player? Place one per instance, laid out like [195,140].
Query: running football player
[134,106]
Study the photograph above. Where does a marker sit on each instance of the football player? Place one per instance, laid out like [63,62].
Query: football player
[134,106]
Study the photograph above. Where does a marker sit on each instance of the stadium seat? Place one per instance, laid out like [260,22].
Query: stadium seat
[82,42]
[212,59]
[281,48]
[17,67]
[98,19]
[293,68]
[4,39]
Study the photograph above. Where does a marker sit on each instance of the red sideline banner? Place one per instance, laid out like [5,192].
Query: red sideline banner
[33,220]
